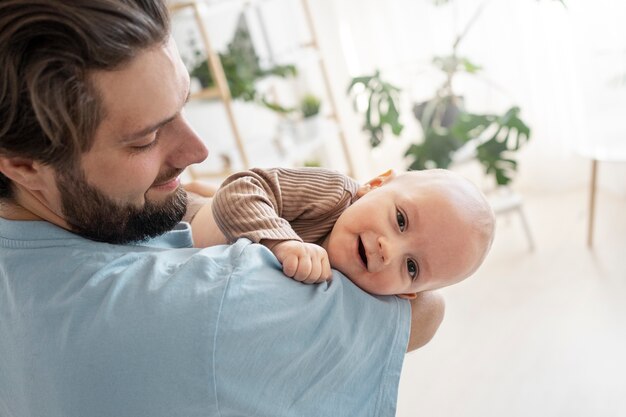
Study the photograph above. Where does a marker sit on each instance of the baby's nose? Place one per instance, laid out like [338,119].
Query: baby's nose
[384,250]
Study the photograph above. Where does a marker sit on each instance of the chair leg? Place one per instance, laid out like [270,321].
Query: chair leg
[592,201]
[529,236]
[509,202]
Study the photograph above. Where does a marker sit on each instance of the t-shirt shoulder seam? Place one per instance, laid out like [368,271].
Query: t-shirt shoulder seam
[396,344]
[238,263]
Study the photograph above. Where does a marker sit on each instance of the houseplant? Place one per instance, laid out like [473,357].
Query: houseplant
[381,112]
[241,68]
[447,125]
[310,105]
[309,109]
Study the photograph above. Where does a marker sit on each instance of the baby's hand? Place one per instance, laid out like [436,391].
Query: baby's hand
[304,262]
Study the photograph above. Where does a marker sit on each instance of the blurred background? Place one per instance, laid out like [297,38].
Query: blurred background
[525,97]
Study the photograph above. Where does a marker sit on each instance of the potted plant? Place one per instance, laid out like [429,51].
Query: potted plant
[241,68]
[308,126]
[446,124]
[310,106]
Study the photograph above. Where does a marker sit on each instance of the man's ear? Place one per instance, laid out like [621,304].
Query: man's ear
[408,296]
[376,182]
[23,171]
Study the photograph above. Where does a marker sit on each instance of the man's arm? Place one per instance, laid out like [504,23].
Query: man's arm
[427,311]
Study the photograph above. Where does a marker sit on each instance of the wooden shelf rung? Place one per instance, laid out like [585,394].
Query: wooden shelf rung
[181,5]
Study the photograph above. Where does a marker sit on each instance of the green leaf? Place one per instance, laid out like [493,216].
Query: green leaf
[277,107]
[470,126]
[241,68]
[469,67]
[358,80]
[382,110]
[283,71]
[513,123]
[435,151]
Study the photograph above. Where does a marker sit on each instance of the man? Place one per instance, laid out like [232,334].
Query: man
[105,308]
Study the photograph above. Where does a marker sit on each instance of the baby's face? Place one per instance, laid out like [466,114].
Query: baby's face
[401,239]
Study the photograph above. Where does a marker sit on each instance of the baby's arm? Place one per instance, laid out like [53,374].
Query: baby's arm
[304,262]
[273,206]
[204,230]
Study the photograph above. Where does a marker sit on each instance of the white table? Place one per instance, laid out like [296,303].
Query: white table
[607,149]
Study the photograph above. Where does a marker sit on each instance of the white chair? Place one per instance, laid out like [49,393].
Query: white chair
[504,201]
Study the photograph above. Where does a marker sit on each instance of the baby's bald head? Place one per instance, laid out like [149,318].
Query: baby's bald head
[462,198]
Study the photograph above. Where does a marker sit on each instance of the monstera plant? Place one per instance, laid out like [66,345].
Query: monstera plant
[382,106]
[447,125]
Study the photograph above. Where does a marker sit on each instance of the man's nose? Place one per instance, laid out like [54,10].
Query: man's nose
[189,147]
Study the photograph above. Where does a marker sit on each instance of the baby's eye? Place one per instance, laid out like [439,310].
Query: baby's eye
[401,220]
[412,268]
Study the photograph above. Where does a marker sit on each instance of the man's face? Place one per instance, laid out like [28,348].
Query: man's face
[402,238]
[126,187]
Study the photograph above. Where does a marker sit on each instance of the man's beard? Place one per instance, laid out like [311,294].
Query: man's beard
[91,214]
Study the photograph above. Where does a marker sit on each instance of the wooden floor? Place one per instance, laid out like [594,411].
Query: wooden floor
[533,334]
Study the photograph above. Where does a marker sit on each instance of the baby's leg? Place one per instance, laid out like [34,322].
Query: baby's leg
[427,311]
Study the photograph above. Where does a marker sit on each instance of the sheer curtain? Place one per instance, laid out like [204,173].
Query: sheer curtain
[565,67]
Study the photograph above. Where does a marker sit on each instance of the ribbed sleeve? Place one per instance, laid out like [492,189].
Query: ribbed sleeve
[282,203]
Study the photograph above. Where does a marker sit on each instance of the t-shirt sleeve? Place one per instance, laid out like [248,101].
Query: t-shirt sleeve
[287,349]
[281,203]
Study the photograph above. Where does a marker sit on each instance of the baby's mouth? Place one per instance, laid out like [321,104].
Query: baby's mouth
[362,252]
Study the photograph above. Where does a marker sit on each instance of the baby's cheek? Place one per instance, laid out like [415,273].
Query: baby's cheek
[380,283]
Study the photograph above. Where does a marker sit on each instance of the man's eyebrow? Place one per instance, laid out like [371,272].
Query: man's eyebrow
[147,130]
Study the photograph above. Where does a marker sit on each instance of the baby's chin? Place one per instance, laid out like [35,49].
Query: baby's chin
[360,284]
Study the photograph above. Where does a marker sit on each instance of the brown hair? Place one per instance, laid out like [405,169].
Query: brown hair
[49,109]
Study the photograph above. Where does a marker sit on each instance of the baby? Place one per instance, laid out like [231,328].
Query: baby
[395,234]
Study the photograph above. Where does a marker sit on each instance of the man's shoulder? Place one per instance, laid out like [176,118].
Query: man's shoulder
[311,342]
[48,260]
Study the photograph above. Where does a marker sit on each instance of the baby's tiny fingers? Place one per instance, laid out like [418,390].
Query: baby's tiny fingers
[315,273]
[327,273]
[320,280]
[290,266]
[304,269]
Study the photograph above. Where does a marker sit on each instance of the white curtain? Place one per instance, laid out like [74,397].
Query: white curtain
[565,67]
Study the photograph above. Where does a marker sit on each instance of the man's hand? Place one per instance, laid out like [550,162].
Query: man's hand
[304,262]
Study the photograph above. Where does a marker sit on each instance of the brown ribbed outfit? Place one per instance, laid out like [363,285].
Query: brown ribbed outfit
[282,203]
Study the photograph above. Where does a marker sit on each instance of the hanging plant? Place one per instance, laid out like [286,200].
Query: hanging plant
[241,68]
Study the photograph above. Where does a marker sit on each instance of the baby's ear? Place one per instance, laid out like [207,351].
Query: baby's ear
[376,182]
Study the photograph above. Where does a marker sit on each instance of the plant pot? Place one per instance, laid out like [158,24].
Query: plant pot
[450,108]
[308,129]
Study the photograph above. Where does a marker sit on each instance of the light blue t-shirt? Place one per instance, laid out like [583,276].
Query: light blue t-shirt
[162,329]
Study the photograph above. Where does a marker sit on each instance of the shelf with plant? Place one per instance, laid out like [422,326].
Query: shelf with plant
[242,69]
